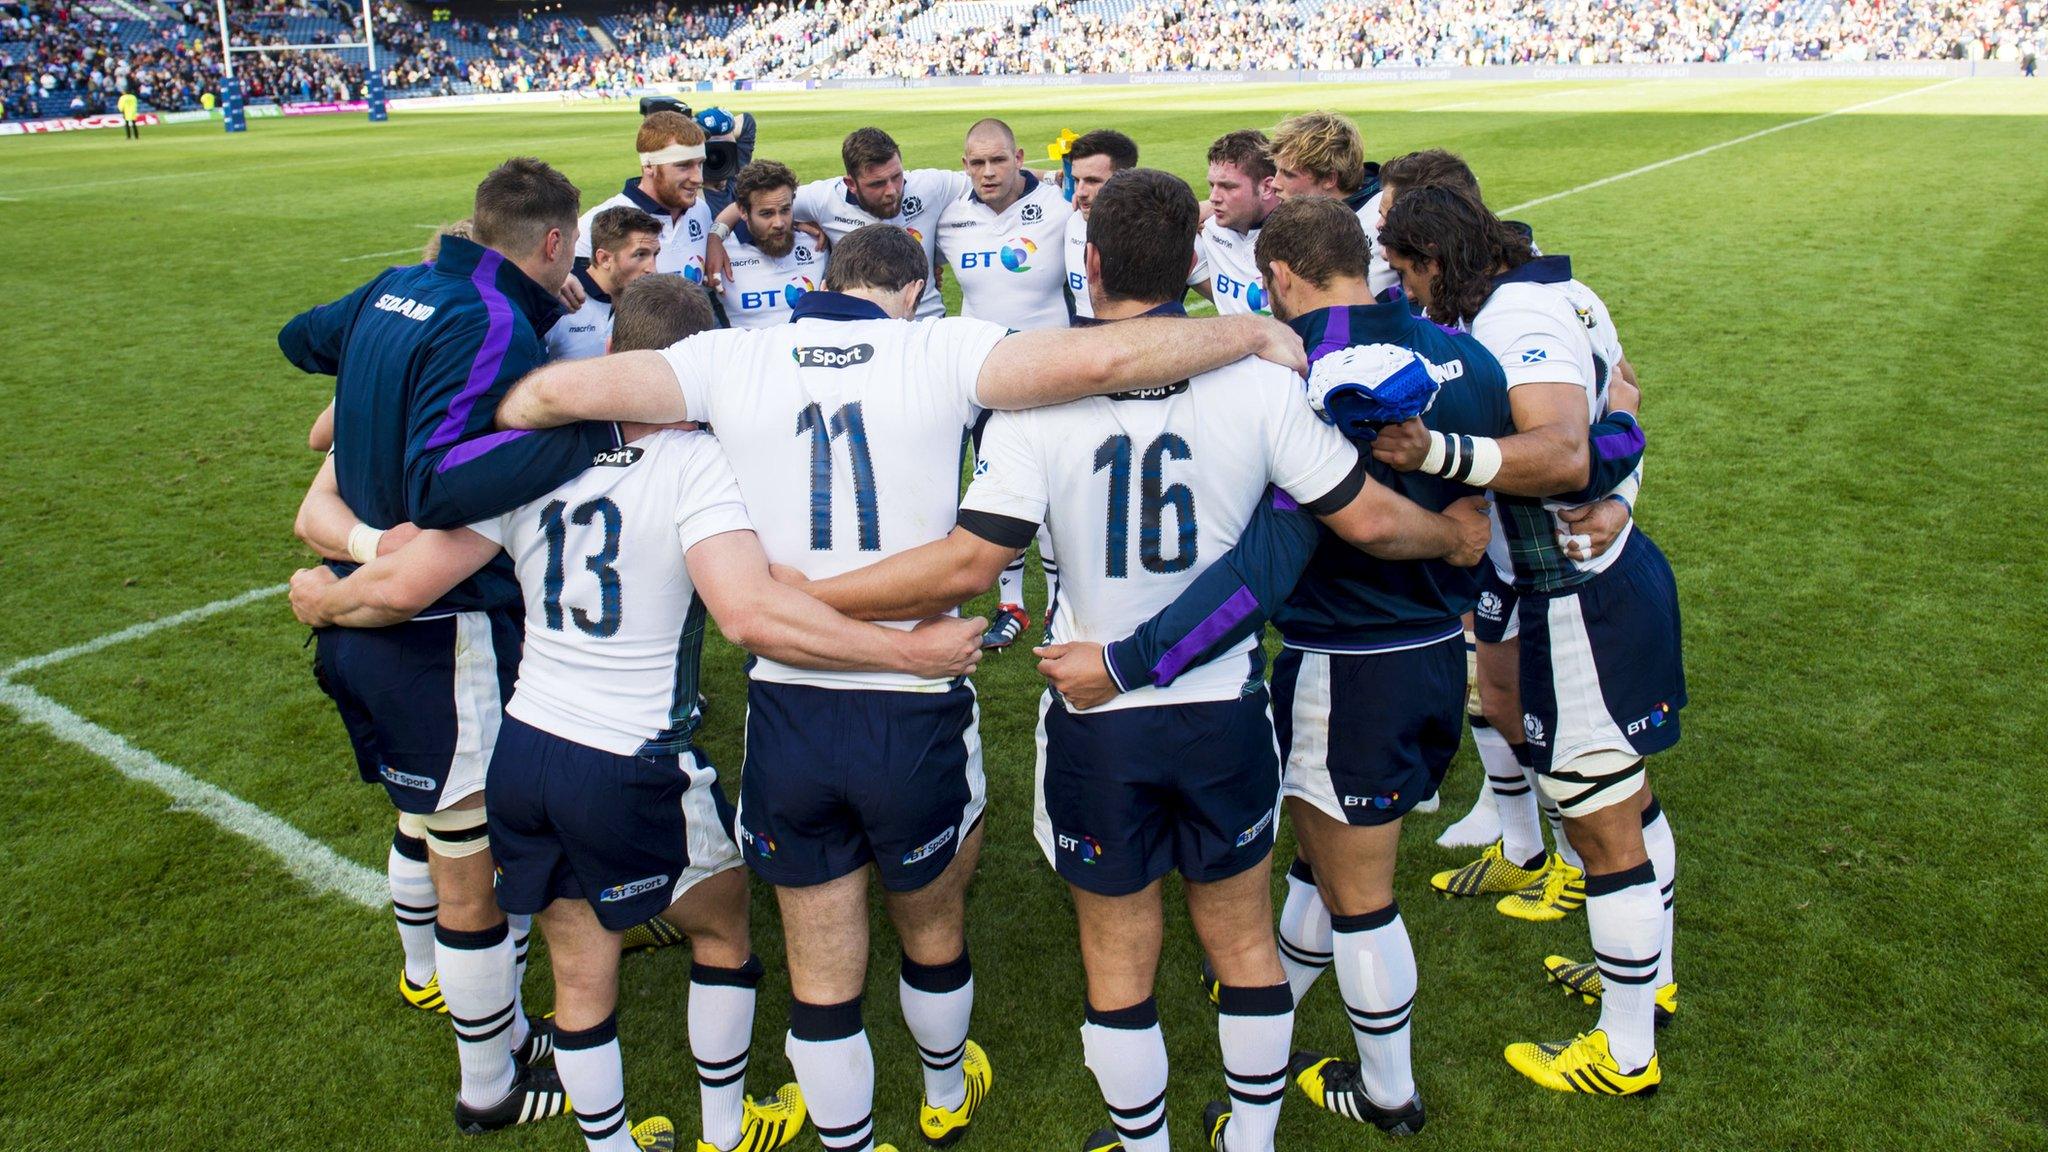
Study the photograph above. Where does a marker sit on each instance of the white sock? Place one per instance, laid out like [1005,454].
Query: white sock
[1563,843]
[835,1067]
[1127,1052]
[413,904]
[1255,1027]
[1304,930]
[937,1002]
[1051,568]
[476,981]
[521,928]
[1376,973]
[588,1062]
[1010,585]
[1514,795]
[721,1033]
[1664,861]
[1480,826]
[1626,918]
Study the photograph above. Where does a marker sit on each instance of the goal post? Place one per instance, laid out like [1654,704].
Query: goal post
[234,114]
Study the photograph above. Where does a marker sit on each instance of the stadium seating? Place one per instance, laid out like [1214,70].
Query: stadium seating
[93,52]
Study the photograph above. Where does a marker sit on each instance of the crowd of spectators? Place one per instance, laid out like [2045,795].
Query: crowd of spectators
[80,60]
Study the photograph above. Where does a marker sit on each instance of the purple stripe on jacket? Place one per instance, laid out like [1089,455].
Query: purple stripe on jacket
[490,358]
[469,450]
[1227,615]
[1619,445]
[1336,335]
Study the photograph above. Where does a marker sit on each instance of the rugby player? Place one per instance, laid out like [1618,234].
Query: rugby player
[993,237]
[848,770]
[420,356]
[669,188]
[1586,531]
[1241,196]
[624,245]
[1602,680]
[1092,159]
[1163,778]
[772,264]
[603,812]
[877,190]
[1323,154]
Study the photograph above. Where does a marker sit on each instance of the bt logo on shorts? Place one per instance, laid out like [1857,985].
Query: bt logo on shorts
[1381,802]
[1253,292]
[1088,848]
[1252,833]
[763,846]
[1533,729]
[1015,255]
[1656,719]
[929,848]
[405,779]
[627,891]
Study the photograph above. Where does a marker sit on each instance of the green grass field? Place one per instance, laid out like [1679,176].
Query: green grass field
[1839,328]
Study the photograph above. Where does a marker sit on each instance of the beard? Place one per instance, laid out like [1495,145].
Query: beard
[893,203]
[776,245]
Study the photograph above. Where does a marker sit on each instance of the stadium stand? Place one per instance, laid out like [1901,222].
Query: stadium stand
[67,59]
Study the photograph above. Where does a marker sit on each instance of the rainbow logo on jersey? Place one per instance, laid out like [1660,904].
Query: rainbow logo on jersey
[1255,297]
[694,270]
[1017,254]
[795,289]
[914,233]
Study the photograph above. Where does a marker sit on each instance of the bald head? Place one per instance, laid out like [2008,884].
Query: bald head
[994,163]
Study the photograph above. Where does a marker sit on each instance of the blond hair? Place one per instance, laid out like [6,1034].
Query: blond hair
[461,228]
[1322,144]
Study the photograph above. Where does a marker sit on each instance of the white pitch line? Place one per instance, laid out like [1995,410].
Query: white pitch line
[1697,153]
[138,631]
[1498,98]
[311,861]
[374,255]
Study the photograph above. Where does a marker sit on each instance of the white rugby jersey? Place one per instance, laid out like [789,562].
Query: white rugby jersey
[1010,263]
[844,428]
[1380,275]
[1077,265]
[1232,273]
[764,288]
[1140,492]
[583,333]
[1536,332]
[830,205]
[682,237]
[613,624]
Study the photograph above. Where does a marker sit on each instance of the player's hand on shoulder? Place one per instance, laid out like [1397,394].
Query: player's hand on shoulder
[1474,530]
[817,234]
[1402,447]
[1587,532]
[571,294]
[1078,671]
[307,585]
[395,538]
[1282,345]
[717,265]
[1623,395]
[946,646]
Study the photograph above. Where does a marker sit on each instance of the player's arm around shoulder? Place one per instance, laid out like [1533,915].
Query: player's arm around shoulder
[643,387]
[1053,366]
[730,571]
[394,587]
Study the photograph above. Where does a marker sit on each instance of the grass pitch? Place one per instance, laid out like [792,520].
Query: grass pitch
[1838,327]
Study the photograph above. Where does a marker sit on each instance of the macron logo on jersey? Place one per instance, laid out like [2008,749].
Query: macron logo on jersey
[833,357]
[404,306]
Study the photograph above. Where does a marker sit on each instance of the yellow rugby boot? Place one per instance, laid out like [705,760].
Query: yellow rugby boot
[768,1124]
[942,1127]
[1582,1065]
[1491,875]
[1581,978]
[1562,892]
[655,1134]
[425,997]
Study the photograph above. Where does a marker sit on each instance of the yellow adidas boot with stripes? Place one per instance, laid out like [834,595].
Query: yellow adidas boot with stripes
[944,1126]
[1581,978]
[1492,874]
[654,1134]
[1583,1065]
[425,997]
[1562,892]
[768,1124]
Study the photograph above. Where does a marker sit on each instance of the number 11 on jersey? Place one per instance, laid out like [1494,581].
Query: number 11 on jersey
[845,424]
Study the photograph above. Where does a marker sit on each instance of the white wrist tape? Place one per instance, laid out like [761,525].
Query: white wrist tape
[674,154]
[362,542]
[1473,460]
